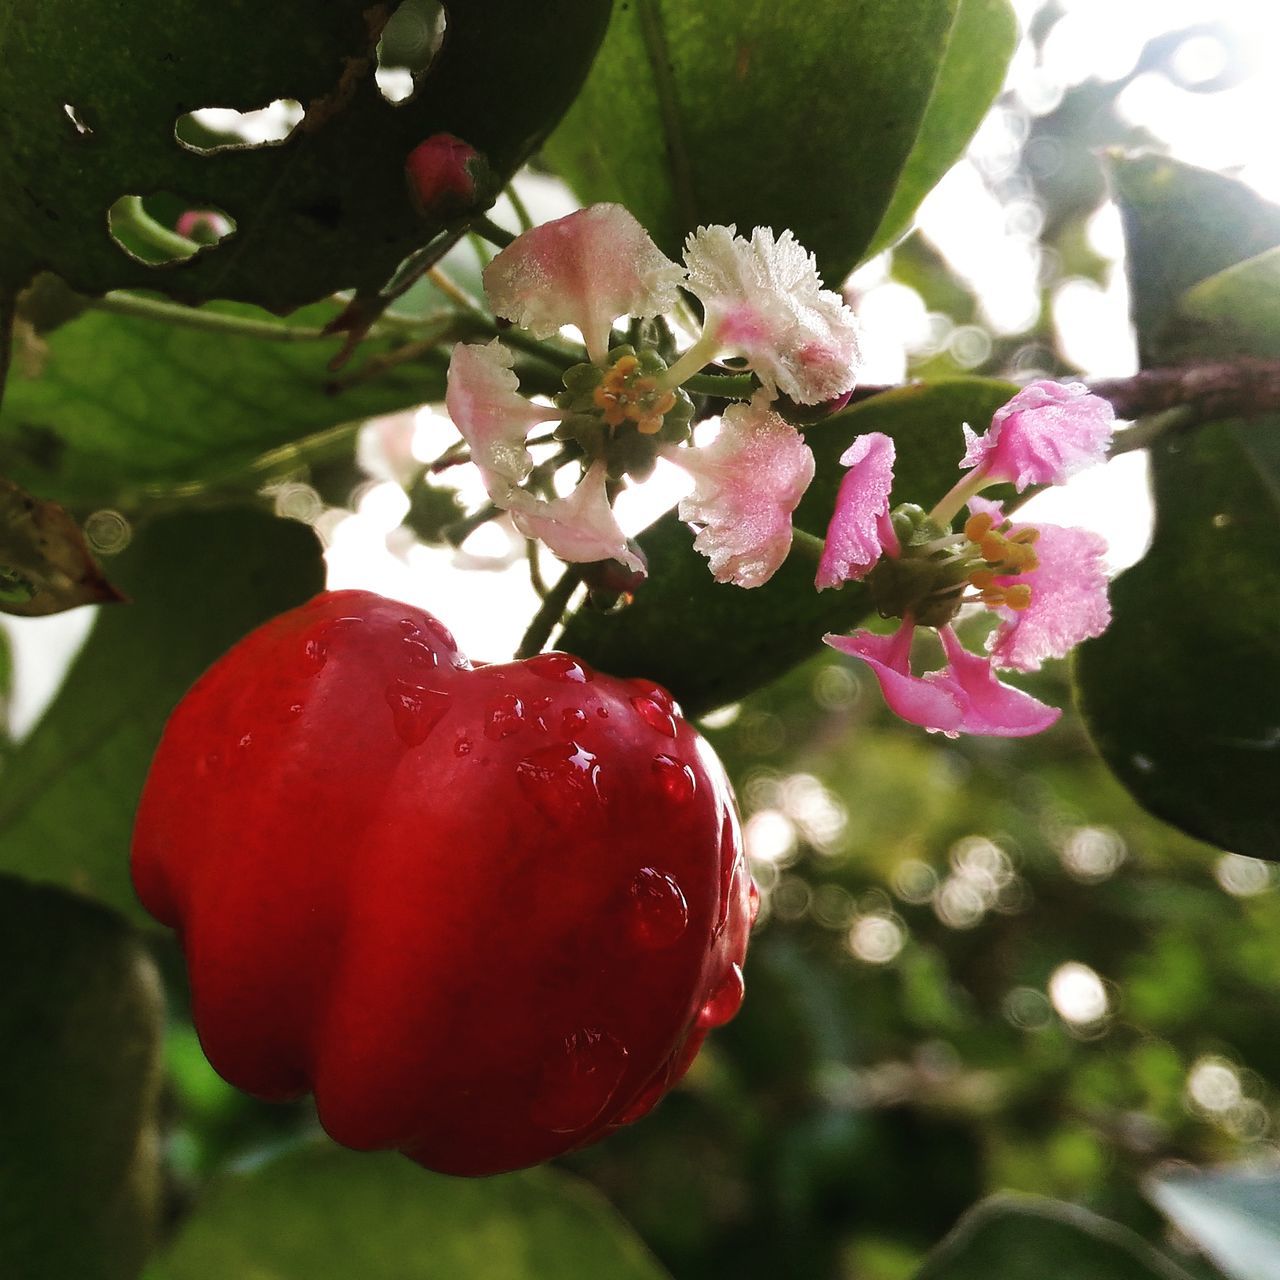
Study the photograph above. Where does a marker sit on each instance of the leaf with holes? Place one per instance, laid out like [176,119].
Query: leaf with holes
[1182,693]
[93,97]
[81,1019]
[756,113]
[126,409]
[199,581]
[45,564]
[711,643]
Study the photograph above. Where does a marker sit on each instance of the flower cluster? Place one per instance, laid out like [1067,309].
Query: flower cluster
[1045,584]
[625,406]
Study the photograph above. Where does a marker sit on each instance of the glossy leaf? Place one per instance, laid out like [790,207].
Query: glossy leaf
[92,95]
[1028,1238]
[972,73]
[45,564]
[756,113]
[199,581]
[1182,693]
[81,1018]
[1235,311]
[1232,1214]
[123,408]
[712,643]
[321,1213]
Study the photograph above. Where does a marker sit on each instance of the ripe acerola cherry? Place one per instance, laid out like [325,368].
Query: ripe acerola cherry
[487,914]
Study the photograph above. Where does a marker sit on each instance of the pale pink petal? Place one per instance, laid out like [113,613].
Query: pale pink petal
[990,708]
[579,528]
[860,532]
[586,269]
[1047,432]
[930,701]
[1068,600]
[748,484]
[764,300]
[494,419]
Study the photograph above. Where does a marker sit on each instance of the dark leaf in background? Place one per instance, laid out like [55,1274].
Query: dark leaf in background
[1027,1238]
[81,1017]
[199,582]
[1182,693]
[92,95]
[712,643]
[760,114]
[45,564]
[326,1214]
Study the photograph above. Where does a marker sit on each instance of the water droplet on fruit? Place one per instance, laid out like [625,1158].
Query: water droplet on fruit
[677,779]
[415,711]
[659,914]
[440,631]
[602,712]
[296,708]
[572,718]
[579,1081]
[315,653]
[559,666]
[420,653]
[730,857]
[563,780]
[504,718]
[538,706]
[724,1001]
[647,1098]
[462,747]
[245,741]
[655,708]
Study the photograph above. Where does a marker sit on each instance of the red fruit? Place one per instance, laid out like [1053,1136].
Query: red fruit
[488,915]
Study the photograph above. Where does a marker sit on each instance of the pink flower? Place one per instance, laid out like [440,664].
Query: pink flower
[1068,596]
[1047,432]
[860,531]
[748,484]
[586,269]
[764,300]
[963,697]
[579,528]
[484,402]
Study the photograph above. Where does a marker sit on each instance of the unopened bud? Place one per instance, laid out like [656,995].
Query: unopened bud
[447,177]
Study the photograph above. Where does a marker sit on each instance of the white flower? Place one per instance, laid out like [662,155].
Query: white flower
[764,300]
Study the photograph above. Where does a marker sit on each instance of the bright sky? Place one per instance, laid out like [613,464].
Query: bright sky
[989,243]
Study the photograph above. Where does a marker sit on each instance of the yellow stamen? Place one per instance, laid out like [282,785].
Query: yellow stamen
[625,397]
[976,527]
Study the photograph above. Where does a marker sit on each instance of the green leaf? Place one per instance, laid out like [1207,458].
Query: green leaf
[81,1016]
[316,1214]
[1182,693]
[712,643]
[1232,1214]
[1027,1238]
[972,72]
[45,564]
[1235,311]
[756,113]
[324,210]
[1182,225]
[199,581]
[125,408]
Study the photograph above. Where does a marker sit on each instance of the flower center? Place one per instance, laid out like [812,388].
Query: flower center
[627,394]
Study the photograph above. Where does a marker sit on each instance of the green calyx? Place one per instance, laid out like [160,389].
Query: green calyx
[928,578]
[620,412]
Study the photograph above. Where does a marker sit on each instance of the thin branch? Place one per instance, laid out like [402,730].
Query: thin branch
[550,612]
[131,304]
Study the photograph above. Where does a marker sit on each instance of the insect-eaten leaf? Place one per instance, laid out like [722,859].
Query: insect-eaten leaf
[45,563]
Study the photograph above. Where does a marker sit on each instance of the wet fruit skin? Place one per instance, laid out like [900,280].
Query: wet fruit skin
[486,914]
